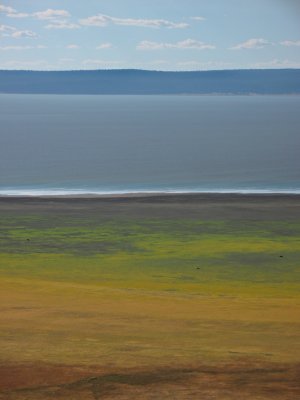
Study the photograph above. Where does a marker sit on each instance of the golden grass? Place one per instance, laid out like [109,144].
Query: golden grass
[149,294]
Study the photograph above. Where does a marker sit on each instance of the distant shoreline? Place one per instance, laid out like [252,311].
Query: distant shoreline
[156,195]
[145,82]
[156,94]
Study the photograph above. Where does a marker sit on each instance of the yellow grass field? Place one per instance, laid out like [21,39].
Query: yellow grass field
[175,297]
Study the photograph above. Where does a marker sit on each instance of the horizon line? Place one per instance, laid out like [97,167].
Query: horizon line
[150,70]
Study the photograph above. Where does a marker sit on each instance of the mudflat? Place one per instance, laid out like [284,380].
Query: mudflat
[191,296]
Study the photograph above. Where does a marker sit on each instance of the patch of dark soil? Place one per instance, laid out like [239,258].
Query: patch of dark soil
[231,381]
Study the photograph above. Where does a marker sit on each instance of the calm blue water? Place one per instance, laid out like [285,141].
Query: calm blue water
[85,144]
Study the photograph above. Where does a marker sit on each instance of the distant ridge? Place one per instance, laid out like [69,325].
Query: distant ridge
[133,81]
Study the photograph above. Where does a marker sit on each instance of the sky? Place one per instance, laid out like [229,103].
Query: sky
[149,34]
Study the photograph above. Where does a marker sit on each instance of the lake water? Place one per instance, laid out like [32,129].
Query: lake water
[105,144]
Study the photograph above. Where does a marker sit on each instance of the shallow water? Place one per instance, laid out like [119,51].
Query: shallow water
[95,144]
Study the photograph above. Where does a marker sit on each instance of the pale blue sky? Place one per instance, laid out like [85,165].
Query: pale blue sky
[149,34]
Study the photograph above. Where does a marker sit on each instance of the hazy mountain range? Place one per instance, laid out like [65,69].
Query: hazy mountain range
[131,81]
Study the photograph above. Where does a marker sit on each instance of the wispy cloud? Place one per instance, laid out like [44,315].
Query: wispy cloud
[290,43]
[17,48]
[183,44]
[23,34]
[25,64]
[7,28]
[51,14]
[205,65]
[62,24]
[277,63]
[11,31]
[198,18]
[251,44]
[102,20]
[6,9]
[56,18]
[18,15]
[12,12]
[96,63]
[21,48]
[104,46]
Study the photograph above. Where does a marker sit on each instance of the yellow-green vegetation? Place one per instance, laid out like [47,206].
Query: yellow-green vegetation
[195,257]
[128,291]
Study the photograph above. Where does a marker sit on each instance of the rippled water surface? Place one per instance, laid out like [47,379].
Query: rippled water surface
[80,144]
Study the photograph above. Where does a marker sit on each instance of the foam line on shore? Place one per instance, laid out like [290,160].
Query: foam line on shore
[94,192]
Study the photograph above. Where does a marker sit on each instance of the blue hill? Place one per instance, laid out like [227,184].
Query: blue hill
[272,81]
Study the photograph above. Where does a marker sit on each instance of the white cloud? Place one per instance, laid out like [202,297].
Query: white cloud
[149,23]
[11,12]
[7,48]
[6,9]
[17,15]
[11,31]
[72,46]
[104,46]
[22,34]
[62,24]
[147,45]
[217,65]
[7,28]
[104,20]
[206,65]
[156,65]
[276,63]
[198,18]
[21,48]
[17,64]
[153,65]
[51,14]
[96,20]
[183,44]
[251,44]
[94,63]
[290,43]
[64,63]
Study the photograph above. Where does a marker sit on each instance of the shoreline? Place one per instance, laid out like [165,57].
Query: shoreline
[149,194]
[202,199]
[296,94]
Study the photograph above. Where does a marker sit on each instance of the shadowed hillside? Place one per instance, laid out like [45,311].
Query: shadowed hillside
[285,81]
